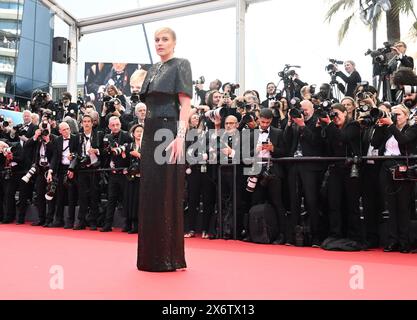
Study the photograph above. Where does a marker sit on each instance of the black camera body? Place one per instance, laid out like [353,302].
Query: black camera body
[404,173]
[135,98]
[84,161]
[295,111]
[332,67]
[45,130]
[325,109]
[200,80]
[21,130]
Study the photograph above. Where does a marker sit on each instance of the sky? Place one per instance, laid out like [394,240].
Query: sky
[278,32]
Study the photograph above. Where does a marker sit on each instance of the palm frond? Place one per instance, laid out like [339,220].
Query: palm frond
[344,28]
[346,4]
[402,6]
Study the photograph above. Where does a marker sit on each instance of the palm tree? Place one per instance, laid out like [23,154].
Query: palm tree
[398,7]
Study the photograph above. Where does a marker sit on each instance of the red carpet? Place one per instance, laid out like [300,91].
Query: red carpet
[103,266]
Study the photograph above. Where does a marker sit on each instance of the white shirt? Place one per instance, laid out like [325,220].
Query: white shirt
[264,137]
[392,148]
[65,153]
[87,146]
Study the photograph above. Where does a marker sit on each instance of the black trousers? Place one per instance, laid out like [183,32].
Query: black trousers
[65,192]
[41,203]
[117,183]
[399,196]
[131,203]
[343,197]
[200,184]
[302,182]
[228,198]
[25,197]
[10,187]
[373,201]
[88,197]
[272,193]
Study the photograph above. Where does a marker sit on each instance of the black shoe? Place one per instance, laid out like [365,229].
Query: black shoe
[57,224]
[93,228]
[106,229]
[19,223]
[69,226]
[125,229]
[280,240]
[393,247]
[48,225]
[405,249]
[6,221]
[133,231]
[316,243]
[38,224]
[79,227]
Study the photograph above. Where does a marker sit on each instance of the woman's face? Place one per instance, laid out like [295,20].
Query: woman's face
[111,92]
[340,118]
[195,120]
[138,133]
[164,44]
[401,117]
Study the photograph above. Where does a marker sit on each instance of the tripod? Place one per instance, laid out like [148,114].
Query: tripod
[384,85]
[336,92]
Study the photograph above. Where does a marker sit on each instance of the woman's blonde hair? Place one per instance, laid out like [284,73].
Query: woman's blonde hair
[167,30]
[403,108]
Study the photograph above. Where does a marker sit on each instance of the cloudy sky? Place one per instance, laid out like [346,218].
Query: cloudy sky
[277,33]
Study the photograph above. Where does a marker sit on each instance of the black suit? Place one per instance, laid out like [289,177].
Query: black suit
[40,182]
[88,182]
[352,81]
[343,191]
[272,190]
[398,194]
[305,178]
[117,180]
[60,171]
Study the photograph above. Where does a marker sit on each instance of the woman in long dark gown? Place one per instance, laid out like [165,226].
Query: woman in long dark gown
[167,92]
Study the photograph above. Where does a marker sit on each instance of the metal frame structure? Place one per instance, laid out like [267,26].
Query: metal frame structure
[181,8]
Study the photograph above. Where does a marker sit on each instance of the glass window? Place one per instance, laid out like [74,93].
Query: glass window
[28,23]
[42,63]
[23,87]
[44,25]
[24,67]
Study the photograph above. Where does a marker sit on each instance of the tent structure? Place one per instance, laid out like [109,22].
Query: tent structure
[80,27]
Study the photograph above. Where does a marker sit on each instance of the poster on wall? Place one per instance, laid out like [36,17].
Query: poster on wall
[126,77]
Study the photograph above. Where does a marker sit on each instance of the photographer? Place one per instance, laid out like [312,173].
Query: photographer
[12,154]
[269,186]
[43,145]
[350,105]
[41,101]
[114,145]
[87,157]
[140,114]
[303,139]
[343,138]
[67,108]
[351,80]
[271,96]
[65,146]
[403,61]
[112,108]
[215,85]
[396,137]
[131,199]
[229,88]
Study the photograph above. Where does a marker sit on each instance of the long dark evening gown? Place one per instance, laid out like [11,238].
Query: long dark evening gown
[161,213]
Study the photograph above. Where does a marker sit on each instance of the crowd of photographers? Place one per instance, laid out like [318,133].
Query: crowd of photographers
[330,189]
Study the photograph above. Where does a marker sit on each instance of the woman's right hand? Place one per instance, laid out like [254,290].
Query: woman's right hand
[135,154]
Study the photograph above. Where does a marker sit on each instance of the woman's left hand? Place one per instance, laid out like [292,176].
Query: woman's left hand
[177,150]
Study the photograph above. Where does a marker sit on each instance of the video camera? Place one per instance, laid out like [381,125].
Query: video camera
[332,67]
[200,80]
[379,55]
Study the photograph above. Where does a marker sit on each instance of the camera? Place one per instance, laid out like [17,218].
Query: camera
[234,87]
[379,55]
[332,67]
[45,130]
[51,190]
[201,80]
[111,108]
[363,95]
[30,174]
[404,173]
[3,122]
[135,98]
[287,74]
[133,171]
[295,108]
[84,161]
[377,114]
[119,150]
[220,113]
[325,109]
[407,90]
[108,144]
[21,130]
[252,183]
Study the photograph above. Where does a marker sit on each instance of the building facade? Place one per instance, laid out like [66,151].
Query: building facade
[26,34]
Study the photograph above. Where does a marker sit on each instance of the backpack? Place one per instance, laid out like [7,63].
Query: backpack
[334,244]
[263,225]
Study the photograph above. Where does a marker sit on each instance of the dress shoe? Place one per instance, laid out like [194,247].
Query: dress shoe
[106,229]
[205,235]
[280,240]
[316,243]
[79,227]
[57,224]
[69,226]
[38,224]
[125,229]
[6,222]
[48,225]
[93,228]
[405,249]
[393,247]
[19,223]
[133,231]
[190,234]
